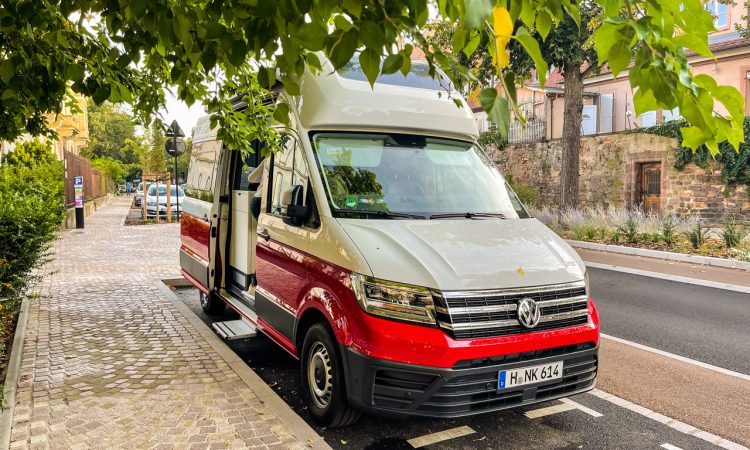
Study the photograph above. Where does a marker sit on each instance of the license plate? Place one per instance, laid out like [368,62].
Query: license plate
[529,375]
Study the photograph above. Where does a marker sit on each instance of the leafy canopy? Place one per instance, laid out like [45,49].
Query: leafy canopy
[129,51]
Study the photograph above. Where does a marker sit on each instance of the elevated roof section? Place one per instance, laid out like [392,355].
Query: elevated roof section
[414,104]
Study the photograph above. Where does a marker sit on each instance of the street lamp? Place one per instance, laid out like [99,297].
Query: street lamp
[175,146]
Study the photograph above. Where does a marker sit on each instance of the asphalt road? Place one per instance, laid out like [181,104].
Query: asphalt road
[574,429]
[705,324]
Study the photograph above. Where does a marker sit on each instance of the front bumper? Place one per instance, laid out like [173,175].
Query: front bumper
[470,387]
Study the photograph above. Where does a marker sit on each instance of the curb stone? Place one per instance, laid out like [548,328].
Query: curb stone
[11,376]
[659,254]
[294,423]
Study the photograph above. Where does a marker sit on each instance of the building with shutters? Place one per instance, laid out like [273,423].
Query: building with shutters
[608,101]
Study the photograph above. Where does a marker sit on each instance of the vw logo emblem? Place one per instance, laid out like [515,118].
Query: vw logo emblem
[528,313]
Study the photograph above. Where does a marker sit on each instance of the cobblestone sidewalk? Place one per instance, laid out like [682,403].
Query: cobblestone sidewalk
[110,362]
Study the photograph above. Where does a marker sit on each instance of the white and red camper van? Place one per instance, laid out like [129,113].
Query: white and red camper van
[388,255]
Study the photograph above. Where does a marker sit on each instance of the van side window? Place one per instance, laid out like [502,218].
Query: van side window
[289,168]
[203,162]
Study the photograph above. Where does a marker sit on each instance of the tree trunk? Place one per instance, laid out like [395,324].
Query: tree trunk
[571,135]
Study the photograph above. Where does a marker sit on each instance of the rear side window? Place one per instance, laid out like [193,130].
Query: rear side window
[418,77]
[202,170]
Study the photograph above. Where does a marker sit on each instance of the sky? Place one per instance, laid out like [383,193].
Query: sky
[179,111]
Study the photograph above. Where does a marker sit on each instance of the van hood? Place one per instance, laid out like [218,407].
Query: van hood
[465,254]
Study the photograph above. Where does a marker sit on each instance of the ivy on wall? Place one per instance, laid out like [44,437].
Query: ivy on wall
[493,137]
[735,164]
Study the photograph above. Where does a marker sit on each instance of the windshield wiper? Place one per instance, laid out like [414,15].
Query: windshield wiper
[466,215]
[383,214]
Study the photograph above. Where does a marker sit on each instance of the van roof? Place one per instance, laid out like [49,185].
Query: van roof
[417,103]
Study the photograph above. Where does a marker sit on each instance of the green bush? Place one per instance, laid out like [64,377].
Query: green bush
[733,234]
[668,232]
[629,230]
[32,199]
[697,236]
[528,195]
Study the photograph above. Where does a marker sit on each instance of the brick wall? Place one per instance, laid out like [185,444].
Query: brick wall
[610,175]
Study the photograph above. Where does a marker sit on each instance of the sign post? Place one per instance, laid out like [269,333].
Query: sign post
[175,146]
[78,190]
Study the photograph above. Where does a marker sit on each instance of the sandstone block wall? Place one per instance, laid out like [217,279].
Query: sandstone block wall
[609,173]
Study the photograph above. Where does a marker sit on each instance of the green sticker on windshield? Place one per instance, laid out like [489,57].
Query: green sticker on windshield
[351,202]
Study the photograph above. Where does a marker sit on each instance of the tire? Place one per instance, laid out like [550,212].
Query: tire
[323,383]
[212,304]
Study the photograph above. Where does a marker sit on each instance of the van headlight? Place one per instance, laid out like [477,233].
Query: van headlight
[394,300]
[151,202]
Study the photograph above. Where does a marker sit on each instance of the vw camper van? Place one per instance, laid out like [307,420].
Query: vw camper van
[388,255]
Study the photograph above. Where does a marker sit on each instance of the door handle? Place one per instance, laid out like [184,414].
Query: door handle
[264,235]
[213,232]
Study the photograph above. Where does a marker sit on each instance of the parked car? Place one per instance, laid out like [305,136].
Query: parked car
[389,255]
[138,198]
[176,194]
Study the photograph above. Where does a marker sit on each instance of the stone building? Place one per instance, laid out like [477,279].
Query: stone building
[72,130]
[628,170]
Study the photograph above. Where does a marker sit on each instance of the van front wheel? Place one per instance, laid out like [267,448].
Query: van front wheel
[323,379]
[211,303]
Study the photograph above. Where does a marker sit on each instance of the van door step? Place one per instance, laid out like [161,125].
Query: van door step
[234,329]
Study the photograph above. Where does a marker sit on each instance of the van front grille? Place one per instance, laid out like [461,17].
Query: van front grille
[477,314]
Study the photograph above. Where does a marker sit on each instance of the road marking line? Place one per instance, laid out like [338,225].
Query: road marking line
[677,278]
[440,436]
[582,408]
[678,357]
[548,410]
[682,427]
[670,447]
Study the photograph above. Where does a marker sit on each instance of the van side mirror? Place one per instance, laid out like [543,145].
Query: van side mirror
[292,204]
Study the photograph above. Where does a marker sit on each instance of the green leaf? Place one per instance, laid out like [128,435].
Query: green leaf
[496,108]
[101,94]
[406,66]
[353,7]
[281,113]
[291,86]
[372,34]
[459,39]
[370,62]
[532,48]
[476,12]
[619,57]
[473,43]
[692,137]
[392,63]
[313,35]
[732,100]
[7,70]
[343,49]
[543,24]
[341,23]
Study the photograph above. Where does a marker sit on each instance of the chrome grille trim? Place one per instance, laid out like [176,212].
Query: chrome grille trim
[488,313]
[514,291]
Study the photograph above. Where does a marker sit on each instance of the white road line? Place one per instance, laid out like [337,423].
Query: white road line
[440,436]
[677,278]
[670,447]
[580,407]
[549,410]
[678,357]
[682,427]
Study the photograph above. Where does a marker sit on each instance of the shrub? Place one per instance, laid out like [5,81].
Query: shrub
[528,195]
[32,200]
[629,230]
[668,230]
[733,234]
[697,236]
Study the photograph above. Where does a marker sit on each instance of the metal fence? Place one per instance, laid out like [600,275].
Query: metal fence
[535,130]
[95,183]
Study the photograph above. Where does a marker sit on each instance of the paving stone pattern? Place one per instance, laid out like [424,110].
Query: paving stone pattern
[109,362]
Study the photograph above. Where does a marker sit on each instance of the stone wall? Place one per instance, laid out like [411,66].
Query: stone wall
[609,173]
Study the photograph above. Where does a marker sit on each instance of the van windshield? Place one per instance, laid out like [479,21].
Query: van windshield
[163,191]
[371,175]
